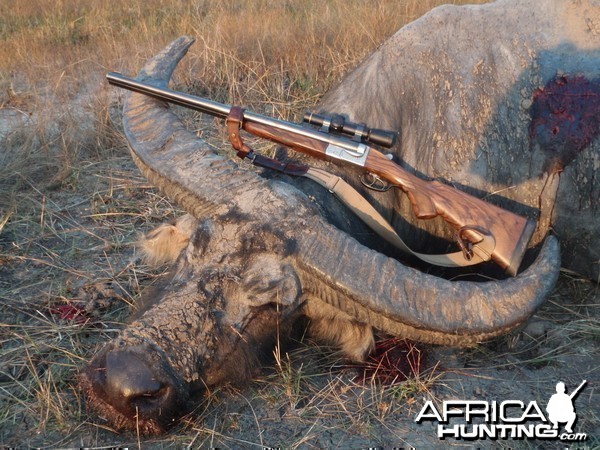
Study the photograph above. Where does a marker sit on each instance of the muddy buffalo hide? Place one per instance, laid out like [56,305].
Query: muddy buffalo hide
[501,100]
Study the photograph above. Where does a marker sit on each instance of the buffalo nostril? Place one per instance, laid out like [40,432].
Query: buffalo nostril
[134,386]
[149,402]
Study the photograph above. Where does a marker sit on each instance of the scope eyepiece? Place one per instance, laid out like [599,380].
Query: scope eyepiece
[359,132]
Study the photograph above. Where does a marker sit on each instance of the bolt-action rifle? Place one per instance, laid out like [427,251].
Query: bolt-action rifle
[472,219]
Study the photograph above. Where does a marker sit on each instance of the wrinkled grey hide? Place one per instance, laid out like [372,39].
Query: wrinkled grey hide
[265,250]
[463,94]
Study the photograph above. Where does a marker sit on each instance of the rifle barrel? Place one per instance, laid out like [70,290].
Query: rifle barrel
[179,98]
[221,111]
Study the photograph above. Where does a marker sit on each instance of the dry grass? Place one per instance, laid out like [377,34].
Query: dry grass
[72,204]
[311,42]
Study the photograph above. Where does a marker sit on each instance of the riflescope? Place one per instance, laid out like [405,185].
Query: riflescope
[359,132]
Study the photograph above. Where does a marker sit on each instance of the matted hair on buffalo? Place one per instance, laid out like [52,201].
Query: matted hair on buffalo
[163,244]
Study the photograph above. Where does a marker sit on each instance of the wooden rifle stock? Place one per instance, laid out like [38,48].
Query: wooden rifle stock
[472,218]
[469,215]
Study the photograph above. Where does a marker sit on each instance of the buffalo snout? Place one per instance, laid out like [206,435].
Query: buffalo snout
[134,387]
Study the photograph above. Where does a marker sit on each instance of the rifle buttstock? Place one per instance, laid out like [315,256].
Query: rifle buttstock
[462,211]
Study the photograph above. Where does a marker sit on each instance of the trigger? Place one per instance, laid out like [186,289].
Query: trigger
[374,182]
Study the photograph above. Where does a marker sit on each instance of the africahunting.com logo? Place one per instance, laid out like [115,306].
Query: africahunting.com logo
[509,419]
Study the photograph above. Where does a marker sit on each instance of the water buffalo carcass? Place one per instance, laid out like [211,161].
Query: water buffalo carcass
[257,253]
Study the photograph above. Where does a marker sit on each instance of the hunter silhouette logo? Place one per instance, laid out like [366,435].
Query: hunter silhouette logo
[560,406]
[507,419]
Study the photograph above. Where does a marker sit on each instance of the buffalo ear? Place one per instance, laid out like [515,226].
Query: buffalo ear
[164,243]
[270,282]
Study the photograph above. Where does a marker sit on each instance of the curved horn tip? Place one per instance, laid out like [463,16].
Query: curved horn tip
[161,67]
[549,255]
